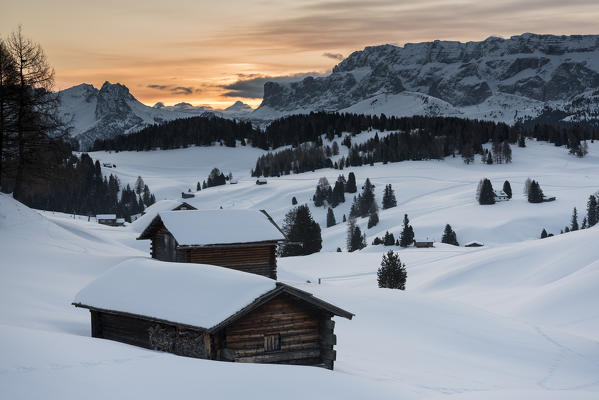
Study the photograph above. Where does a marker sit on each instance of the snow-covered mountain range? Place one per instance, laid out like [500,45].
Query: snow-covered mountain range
[112,110]
[495,79]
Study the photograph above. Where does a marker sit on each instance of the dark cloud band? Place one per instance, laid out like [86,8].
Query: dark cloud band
[252,86]
[180,90]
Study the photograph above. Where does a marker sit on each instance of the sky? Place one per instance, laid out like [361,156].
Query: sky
[217,52]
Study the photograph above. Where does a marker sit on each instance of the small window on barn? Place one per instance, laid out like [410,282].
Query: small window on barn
[272,342]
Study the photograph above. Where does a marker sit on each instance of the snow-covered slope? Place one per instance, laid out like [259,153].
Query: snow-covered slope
[507,320]
[495,79]
[433,193]
[113,110]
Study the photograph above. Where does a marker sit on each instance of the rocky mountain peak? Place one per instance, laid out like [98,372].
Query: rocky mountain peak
[239,106]
[535,68]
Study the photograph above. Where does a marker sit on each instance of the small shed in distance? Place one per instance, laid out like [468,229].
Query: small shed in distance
[421,244]
[245,240]
[211,313]
[474,244]
[110,219]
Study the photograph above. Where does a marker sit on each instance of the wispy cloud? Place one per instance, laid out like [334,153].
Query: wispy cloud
[178,90]
[333,56]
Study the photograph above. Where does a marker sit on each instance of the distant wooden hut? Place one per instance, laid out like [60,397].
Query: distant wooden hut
[422,244]
[211,313]
[184,206]
[110,220]
[245,240]
[474,244]
[500,195]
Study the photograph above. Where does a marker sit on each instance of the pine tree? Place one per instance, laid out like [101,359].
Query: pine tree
[535,194]
[302,232]
[338,192]
[584,223]
[507,152]
[489,158]
[323,192]
[139,185]
[389,199]
[592,211]
[351,187]
[407,233]
[521,141]
[487,194]
[216,178]
[354,210]
[543,234]
[330,218]
[344,218]
[293,201]
[355,239]
[392,274]
[449,236]
[507,188]
[146,195]
[574,220]
[373,219]
[389,239]
[335,148]
[198,187]
[366,201]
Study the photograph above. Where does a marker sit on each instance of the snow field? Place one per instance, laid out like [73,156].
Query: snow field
[516,318]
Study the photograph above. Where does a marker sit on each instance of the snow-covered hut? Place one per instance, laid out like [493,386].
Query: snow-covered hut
[108,219]
[211,313]
[423,243]
[500,195]
[474,244]
[245,240]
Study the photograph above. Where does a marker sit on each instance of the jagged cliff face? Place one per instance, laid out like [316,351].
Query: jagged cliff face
[466,78]
[112,110]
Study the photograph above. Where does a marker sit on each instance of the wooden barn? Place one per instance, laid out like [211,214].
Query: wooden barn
[245,240]
[211,313]
[423,243]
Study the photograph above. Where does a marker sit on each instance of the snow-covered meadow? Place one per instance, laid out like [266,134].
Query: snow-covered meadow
[516,318]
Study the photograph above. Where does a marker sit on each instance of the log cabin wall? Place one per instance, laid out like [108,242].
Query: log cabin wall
[260,259]
[149,334]
[283,330]
[164,246]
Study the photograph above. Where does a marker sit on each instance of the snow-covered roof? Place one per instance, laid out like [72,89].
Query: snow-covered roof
[474,242]
[106,216]
[192,294]
[214,227]
[198,295]
[151,212]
